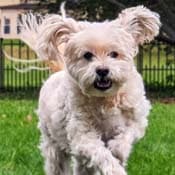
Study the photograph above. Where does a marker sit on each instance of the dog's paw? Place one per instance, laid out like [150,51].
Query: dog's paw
[112,167]
[120,150]
[119,171]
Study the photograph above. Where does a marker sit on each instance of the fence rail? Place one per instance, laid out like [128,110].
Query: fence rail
[155,61]
[19,75]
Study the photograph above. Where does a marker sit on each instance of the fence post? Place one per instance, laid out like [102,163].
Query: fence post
[1,65]
[140,60]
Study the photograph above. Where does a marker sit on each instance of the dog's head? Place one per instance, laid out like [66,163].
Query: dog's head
[98,56]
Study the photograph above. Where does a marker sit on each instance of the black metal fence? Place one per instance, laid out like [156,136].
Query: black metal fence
[17,74]
[155,61]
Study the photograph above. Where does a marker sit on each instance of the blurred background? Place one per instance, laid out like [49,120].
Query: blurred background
[22,75]
[155,61]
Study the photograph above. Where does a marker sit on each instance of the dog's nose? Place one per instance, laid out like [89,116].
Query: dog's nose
[102,72]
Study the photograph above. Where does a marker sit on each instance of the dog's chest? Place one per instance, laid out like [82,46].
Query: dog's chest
[108,122]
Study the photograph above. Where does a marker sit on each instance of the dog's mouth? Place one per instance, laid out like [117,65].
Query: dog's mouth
[102,83]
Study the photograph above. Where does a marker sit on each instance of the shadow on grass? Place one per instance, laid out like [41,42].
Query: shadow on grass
[19,94]
[152,93]
[160,93]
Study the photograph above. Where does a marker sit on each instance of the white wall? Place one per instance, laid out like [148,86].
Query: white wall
[9,2]
[12,14]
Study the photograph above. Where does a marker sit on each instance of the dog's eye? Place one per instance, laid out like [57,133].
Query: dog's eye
[88,56]
[113,54]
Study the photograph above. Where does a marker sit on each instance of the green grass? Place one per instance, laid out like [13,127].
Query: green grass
[19,137]
[155,153]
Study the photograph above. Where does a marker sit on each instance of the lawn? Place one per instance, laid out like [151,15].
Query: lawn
[19,138]
[155,153]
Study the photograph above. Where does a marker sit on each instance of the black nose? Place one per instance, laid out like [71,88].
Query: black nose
[102,72]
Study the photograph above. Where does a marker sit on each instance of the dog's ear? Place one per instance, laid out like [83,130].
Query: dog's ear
[53,33]
[46,35]
[140,22]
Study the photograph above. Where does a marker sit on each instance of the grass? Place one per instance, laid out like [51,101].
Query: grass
[19,154]
[19,137]
[155,153]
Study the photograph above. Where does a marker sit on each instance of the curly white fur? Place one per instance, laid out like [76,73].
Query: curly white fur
[77,119]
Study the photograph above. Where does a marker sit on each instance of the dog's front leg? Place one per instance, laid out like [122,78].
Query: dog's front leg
[85,142]
[121,144]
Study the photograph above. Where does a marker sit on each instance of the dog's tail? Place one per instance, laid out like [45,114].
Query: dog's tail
[30,30]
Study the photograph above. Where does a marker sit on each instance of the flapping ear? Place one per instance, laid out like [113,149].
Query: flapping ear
[53,33]
[140,22]
[48,35]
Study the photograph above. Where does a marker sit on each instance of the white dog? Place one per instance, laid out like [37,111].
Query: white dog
[94,109]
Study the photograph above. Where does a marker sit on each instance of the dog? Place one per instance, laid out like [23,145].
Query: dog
[95,108]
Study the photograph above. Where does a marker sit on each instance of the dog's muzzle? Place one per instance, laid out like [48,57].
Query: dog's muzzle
[102,83]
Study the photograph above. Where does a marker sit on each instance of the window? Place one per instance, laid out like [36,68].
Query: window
[6,25]
[18,27]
